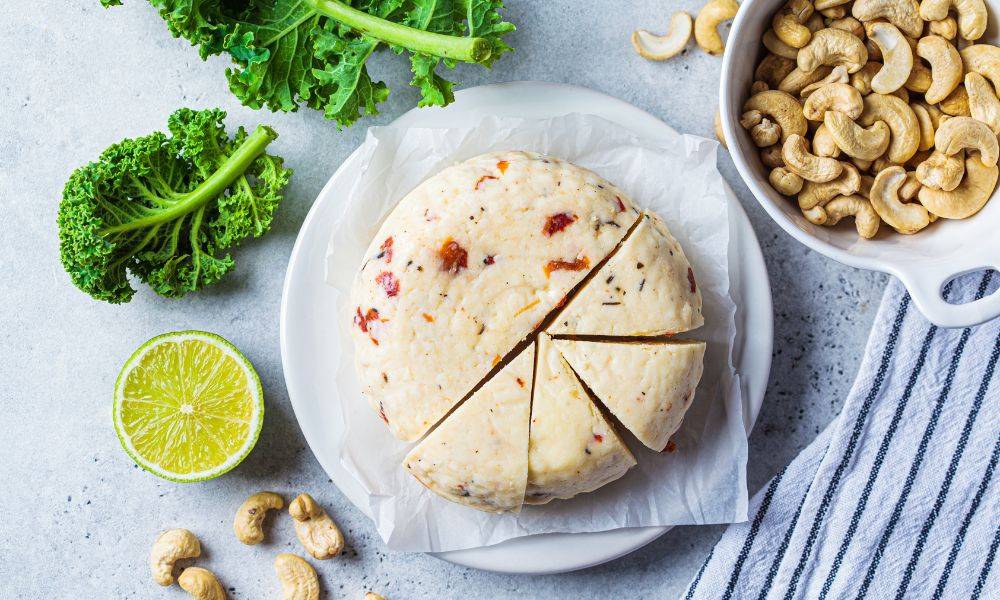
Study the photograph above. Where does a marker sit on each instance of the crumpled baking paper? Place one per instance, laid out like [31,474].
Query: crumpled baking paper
[702,481]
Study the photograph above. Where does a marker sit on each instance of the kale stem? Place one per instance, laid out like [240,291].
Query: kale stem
[214,186]
[467,49]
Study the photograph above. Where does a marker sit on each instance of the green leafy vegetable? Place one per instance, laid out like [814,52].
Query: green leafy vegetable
[165,208]
[289,53]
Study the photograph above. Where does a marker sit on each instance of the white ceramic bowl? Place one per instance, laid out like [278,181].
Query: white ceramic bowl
[924,262]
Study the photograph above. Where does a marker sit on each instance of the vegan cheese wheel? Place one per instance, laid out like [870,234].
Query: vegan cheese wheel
[647,386]
[479,455]
[647,288]
[465,267]
[572,448]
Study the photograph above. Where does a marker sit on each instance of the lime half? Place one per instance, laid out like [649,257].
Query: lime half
[188,406]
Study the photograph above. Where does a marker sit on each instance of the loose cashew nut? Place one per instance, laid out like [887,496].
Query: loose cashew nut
[786,182]
[250,516]
[825,4]
[798,80]
[946,67]
[798,160]
[971,195]
[904,14]
[783,108]
[920,78]
[719,133]
[911,185]
[983,102]
[670,44]
[201,584]
[789,24]
[904,130]
[855,141]
[850,25]
[823,143]
[961,133]
[838,74]
[904,218]
[926,127]
[837,12]
[776,46]
[707,22]
[773,69]
[319,535]
[818,194]
[946,28]
[832,47]
[957,103]
[298,579]
[983,59]
[374,596]
[758,87]
[771,157]
[766,133]
[862,79]
[836,96]
[897,58]
[172,546]
[971,15]
[866,220]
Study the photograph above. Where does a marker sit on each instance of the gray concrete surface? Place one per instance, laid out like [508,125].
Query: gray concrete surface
[79,516]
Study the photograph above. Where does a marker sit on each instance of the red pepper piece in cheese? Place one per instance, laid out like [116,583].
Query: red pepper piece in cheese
[454,257]
[557,222]
[577,264]
[389,283]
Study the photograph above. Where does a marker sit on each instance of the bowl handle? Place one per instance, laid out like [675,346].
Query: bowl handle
[925,282]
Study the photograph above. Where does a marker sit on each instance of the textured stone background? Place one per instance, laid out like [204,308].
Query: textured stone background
[79,516]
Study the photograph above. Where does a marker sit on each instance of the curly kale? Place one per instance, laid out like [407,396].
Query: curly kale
[289,53]
[165,208]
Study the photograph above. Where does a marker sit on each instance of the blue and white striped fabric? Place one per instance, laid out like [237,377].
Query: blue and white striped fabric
[898,497]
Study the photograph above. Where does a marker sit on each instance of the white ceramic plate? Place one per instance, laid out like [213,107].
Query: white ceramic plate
[307,320]
[924,262]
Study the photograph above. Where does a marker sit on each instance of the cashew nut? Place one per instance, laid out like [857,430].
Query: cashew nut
[298,579]
[837,75]
[866,186]
[854,140]
[719,134]
[897,58]
[971,15]
[825,4]
[201,584]
[904,130]
[319,535]
[374,596]
[862,79]
[786,182]
[707,22]
[904,218]
[823,143]
[926,127]
[961,133]
[766,133]
[815,22]
[818,194]
[904,14]
[790,28]
[832,47]
[850,25]
[946,67]
[866,220]
[798,160]
[815,215]
[835,96]
[783,108]
[837,12]
[250,516]
[862,165]
[773,68]
[758,87]
[911,185]
[983,102]
[172,546]
[771,157]
[983,59]
[971,195]
[798,80]
[920,78]
[776,46]
[670,44]
[946,28]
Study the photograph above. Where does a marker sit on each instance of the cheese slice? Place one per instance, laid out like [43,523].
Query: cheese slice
[648,386]
[572,448]
[465,267]
[647,288]
[479,455]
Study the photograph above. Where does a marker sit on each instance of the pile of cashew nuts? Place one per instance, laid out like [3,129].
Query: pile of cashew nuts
[317,532]
[884,110]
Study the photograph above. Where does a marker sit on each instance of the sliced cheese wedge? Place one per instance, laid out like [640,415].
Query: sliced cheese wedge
[572,448]
[646,288]
[479,455]
[648,386]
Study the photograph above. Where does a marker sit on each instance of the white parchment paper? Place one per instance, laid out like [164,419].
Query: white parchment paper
[702,481]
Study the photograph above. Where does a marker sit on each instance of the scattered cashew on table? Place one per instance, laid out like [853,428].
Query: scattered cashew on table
[887,110]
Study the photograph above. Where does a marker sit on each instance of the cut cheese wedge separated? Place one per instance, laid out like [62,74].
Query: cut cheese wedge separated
[479,455]
[648,386]
[572,448]
[647,288]
[465,267]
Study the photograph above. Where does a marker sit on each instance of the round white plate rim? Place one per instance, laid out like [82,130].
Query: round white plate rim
[752,354]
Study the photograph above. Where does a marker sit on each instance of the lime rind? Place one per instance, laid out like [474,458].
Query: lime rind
[227,348]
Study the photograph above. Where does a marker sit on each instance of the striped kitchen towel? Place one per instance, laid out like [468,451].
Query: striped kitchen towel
[898,497]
